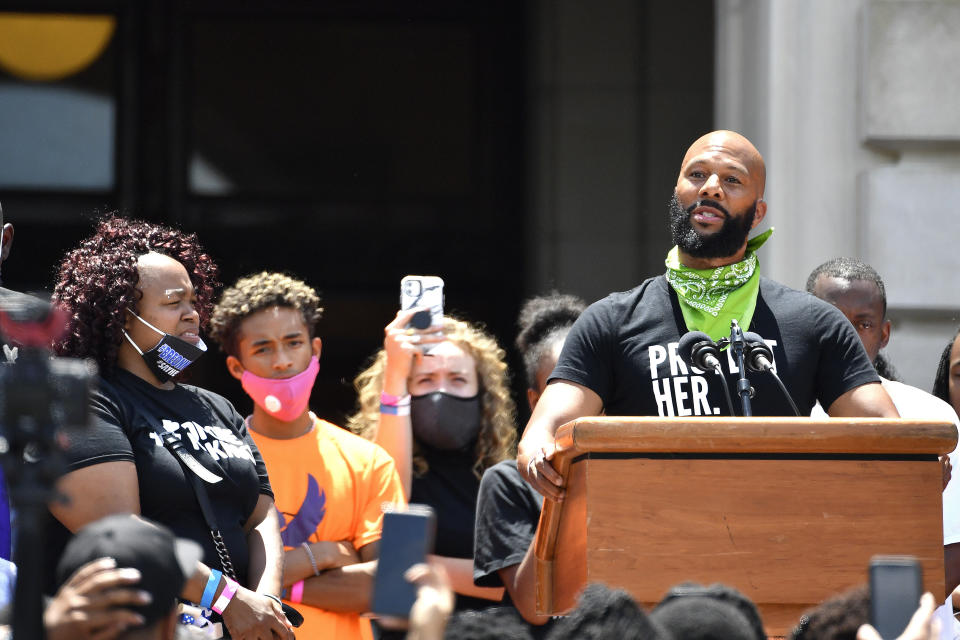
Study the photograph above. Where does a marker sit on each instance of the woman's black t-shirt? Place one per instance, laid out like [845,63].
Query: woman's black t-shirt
[451,488]
[126,415]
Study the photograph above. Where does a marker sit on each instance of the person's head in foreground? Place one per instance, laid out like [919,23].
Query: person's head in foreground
[718,612]
[837,618]
[603,613]
[266,324]
[163,561]
[460,398]
[137,294]
[496,623]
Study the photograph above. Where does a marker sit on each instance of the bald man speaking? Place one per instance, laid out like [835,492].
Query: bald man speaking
[621,356]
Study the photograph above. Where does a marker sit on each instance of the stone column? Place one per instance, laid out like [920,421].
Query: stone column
[583,103]
[854,106]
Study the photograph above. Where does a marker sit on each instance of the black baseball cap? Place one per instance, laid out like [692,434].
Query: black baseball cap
[165,562]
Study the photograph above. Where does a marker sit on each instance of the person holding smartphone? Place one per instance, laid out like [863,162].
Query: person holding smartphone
[438,401]
[329,483]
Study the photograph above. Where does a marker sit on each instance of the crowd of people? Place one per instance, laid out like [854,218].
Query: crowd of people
[184,518]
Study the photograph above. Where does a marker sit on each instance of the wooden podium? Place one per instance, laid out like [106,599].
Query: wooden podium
[787,510]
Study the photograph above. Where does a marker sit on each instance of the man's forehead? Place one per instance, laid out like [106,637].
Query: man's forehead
[730,144]
[274,321]
[717,153]
[725,142]
[852,290]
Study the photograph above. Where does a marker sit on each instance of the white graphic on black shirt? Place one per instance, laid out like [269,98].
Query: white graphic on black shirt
[218,442]
[680,390]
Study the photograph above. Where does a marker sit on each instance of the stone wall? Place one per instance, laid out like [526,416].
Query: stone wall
[856,107]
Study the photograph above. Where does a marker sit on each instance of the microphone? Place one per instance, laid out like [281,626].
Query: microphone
[759,354]
[759,357]
[698,350]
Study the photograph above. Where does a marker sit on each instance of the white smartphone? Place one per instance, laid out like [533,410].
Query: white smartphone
[423,291]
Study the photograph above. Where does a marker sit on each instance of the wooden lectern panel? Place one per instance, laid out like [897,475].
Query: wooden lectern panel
[788,529]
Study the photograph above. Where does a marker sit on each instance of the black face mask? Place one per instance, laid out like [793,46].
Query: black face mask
[445,422]
[170,356]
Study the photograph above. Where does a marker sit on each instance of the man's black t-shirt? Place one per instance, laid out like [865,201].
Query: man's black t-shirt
[127,412]
[624,348]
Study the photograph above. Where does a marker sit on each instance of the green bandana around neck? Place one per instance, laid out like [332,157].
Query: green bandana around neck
[711,298]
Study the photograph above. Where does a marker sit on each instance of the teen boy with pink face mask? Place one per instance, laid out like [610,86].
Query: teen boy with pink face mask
[329,484]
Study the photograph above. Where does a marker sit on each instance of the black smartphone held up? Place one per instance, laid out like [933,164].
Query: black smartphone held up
[407,539]
[896,584]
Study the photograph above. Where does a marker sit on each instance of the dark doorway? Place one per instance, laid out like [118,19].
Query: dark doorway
[348,143]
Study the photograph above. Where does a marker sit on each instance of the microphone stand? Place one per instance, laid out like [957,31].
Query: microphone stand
[738,345]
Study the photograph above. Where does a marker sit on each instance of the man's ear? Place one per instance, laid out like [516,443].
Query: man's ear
[532,398]
[760,214]
[7,241]
[234,367]
[317,345]
[885,334]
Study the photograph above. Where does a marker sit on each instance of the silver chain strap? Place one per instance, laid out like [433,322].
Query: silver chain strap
[224,556]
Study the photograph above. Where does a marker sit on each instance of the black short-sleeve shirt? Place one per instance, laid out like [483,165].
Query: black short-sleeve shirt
[624,348]
[127,412]
[508,510]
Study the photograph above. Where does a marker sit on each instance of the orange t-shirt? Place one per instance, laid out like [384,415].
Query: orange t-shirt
[329,484]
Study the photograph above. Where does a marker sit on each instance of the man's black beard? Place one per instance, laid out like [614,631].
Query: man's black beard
[724,243]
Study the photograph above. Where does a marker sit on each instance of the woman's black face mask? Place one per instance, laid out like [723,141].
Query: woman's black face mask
[445,422]
[170,356]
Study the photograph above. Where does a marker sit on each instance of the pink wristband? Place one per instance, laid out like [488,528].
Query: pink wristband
[226,595]
[296,592]
[394,401]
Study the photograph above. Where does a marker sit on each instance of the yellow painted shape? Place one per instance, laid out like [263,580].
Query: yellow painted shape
[45,47]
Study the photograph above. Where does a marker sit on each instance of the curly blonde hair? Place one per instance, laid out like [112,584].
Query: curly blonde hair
[498,434]
[261,291]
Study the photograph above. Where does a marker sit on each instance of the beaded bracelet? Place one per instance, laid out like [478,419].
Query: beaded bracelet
[296,592]
[226,596]
[313,561]
[211,589]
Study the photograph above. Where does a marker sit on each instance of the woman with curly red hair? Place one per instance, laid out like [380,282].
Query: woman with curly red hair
[137,294]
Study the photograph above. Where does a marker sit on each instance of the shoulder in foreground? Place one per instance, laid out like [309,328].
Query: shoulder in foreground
[621,297]
[625,301]
[918,404]
[771,289]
